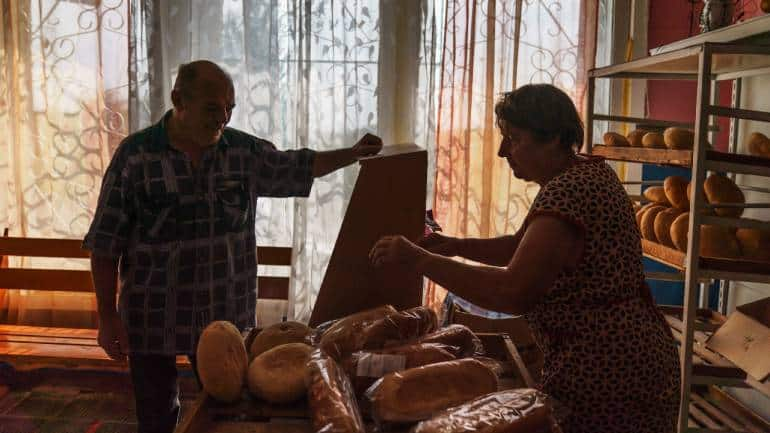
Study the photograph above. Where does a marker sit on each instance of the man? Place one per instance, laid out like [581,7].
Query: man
[175,222]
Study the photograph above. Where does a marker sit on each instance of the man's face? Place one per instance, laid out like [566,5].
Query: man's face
[205,112]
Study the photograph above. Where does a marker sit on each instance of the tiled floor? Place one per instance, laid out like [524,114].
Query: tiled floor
[65,401]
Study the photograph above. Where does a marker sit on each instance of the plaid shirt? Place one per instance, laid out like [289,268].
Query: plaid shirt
[184,235]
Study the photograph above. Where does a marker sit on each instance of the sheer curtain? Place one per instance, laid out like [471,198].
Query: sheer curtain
[77,77]
[315,74]
[63,93]
[492,46]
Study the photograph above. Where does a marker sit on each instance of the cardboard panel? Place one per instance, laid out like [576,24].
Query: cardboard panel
[745,339]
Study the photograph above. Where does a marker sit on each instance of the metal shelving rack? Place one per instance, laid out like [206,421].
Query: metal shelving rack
[706,63]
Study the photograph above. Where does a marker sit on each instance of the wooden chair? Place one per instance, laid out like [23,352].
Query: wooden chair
[33,346]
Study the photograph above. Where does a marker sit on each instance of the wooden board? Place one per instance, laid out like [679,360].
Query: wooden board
[42,247]
[677,259]
[716,408]
[663,254]
[679,158]
[388,199]
[28,347]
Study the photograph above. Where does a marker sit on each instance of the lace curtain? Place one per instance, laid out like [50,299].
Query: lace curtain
[63,95]
[77,77]
[315,74]
[487,50]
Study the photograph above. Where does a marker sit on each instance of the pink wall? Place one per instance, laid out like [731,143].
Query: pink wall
[669,21]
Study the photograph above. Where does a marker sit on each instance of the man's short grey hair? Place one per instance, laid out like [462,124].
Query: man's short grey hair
[187,75]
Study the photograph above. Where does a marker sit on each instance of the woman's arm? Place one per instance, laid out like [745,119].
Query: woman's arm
[548,246]
[495,251]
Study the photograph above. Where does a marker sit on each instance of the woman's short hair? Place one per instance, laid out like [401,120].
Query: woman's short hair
[544,110]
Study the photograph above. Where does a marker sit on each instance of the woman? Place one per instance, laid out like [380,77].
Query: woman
[574,269]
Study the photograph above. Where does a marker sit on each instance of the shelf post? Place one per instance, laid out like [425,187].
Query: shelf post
[588,134]
[693,241]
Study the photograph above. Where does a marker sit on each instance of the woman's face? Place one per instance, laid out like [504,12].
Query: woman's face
[527,157]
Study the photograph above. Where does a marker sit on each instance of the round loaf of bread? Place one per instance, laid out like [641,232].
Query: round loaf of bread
[678,231]
[656,194]
[222,361]
[639,215]
[718,241]
[715,241]
[635,137]
[705,210]
[653,140]
[678,138]
[675,188]
[278,375]
[648,222]
[615,139]
[754,243]
[662,226]
[278,334]
[759,145]
[721,189]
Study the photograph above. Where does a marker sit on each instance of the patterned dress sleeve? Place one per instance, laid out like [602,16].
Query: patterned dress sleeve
[563,197]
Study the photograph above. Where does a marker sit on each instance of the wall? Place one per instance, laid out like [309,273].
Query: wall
[670,21]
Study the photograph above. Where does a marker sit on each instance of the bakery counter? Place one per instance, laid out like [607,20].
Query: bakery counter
[251,414]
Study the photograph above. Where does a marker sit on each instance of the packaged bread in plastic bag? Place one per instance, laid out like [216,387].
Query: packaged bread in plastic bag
[390,329]
[511,411]
[459,336]
[333,407]
[365,367]
[340,328]
[418,393]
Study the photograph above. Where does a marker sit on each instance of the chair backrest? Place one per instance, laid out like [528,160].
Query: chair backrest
[68,280]
[64,280]
[274,287]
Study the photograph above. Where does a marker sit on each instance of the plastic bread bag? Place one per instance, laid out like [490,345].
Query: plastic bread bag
[339,328]
[522,410]
[391,329]
[418,393]
[333,407]
[365,367]
[398,329]
[457,336]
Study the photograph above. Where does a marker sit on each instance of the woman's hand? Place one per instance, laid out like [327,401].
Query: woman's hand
[441,244]
[391,250]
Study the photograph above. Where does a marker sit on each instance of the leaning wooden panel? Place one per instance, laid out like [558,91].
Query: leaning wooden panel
[388,199]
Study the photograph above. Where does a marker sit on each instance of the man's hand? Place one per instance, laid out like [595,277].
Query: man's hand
[440,244]
[331,160]
[113,337]
[368,145]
